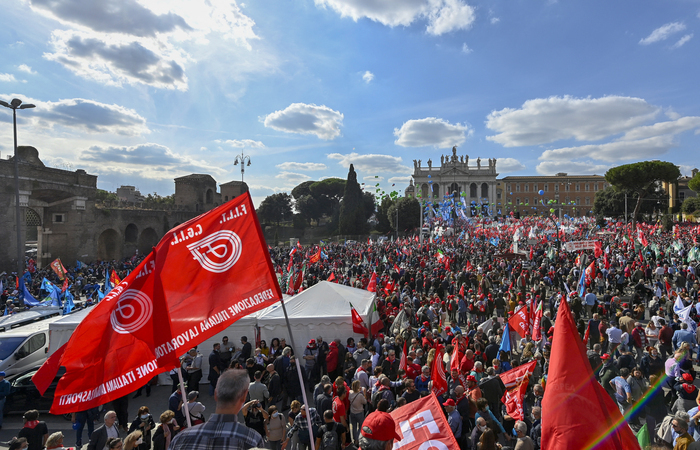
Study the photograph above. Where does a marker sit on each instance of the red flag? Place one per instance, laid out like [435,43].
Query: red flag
[437,375]
[331,277]
[641,238]
[396,268]
[516,381]
[404,362]
[114,278]
[520,322]
[65,285]
[572,390]
[422,425]
[58,268]
[358,325]
[372,286]
[536,325]
[316,257]
[469,267]
[456,358]
[461,290]
[200,278]
[389,288]
[587,334]
[598,249]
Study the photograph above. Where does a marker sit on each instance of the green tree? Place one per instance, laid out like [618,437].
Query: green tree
[691,205]
[694,183]
[104,196]
[409,214]
[352,209]
[302,189]
[276,208]
[308,207]
[383,222]
[610,202]
[641,178]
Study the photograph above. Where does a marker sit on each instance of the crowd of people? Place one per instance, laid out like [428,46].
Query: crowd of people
[451,297]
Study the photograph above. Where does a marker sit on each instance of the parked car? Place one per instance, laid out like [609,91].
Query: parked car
[25,396]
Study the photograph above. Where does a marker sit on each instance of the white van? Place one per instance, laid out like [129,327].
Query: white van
[25,347]
[62,329]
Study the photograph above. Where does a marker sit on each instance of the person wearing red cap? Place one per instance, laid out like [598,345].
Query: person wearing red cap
[378,432]
[453,418]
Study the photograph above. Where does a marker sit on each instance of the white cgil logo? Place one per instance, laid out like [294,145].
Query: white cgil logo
[217,252]
[132,311]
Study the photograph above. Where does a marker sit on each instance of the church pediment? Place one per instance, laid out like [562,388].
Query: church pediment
[453,171]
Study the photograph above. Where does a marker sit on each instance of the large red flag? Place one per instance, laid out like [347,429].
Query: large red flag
[358,325]
[576,410]
[422,425]
[316,257]
[438,375]
[201,277]
[520,321]
[372,286]
[516,381]
[404,361]
[456,358]
[57,267]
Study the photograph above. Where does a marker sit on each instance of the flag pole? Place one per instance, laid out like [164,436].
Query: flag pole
[184,396]
[301,379]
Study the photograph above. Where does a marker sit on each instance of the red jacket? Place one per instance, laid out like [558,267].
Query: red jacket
[332,357]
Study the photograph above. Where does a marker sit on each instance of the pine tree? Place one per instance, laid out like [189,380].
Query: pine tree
[352,212]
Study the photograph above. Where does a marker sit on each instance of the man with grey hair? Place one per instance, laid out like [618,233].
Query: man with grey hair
[524,442]
[222,431]
[98,439]
[477,431]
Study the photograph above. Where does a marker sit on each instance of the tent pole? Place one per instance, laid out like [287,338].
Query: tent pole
[301,379]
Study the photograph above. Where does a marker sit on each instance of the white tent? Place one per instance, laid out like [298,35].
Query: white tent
[323,309]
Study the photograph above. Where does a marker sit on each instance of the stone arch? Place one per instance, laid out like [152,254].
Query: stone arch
[454,187]
[147,240]
[472,190]
[209,197]
[33,221]
[425,191]
[108,245]
[131,233]
[436,190]
[484,190]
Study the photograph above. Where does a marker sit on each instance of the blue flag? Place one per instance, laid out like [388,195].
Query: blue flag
[582,284]
[53,291]
[68,304]
[28,298]
[505,341]
[79,265]
[100,295]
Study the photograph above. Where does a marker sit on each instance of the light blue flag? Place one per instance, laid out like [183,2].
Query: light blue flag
[53,291]
[100,295]
[28,298]
[505,341]
[582,283]
[68,304]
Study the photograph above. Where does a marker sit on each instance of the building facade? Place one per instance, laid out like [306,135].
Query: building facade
[477,182]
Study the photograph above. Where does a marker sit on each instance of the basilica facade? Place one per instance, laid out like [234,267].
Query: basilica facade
[474,180]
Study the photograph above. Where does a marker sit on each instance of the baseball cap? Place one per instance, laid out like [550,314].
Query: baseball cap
[605,356]
[380,426]
[449,402]
[471,378]
[687,377]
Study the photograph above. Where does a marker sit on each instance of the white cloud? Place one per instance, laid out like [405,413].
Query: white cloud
[115,61]
[26,68]
[506,165]
[466,49]
[202,149]
[614,151]
[7,77]
[663,33]
[375,179]
[672,127]
[495,20]
[430,131]
[242,143]
[293,178]
[85,115]
[541,121]
[397,180]
[682,40]
[288,166]
[554,167]
[442,16]
[372,164]
[367,76]
[301,118]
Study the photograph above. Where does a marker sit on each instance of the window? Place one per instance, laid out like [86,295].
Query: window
[498,196]
[517,201]
[681,195]
[566,186]
[527,187]
[556,187]
[588,187]
[58,218]
[517,187]
[546,187]
[578,200]
[595,187]
[527,200]
[578,187]
[226,198]
[534,187]
[588,200]
[508,187]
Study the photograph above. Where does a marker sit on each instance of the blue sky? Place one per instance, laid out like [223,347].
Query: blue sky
[140,92]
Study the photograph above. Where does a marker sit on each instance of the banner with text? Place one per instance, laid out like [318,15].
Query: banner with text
[575,246]
[516,381]
[202,276]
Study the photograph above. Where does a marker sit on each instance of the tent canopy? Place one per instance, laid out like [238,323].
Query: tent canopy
[323,309]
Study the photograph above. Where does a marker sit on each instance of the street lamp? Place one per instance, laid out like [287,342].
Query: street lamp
[14,105]
[242,159]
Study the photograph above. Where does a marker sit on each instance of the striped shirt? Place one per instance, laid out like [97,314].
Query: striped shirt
[300,422]
[221,432]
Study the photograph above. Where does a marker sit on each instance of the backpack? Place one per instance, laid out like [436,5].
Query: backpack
[376,397]
[304,437]
[330,439]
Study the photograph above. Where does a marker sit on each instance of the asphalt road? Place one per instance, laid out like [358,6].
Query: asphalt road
[157,403]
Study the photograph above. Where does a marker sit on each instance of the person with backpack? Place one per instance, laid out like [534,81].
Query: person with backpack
[331,436]
[301,427]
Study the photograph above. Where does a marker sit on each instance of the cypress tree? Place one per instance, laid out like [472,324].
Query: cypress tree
[352,213]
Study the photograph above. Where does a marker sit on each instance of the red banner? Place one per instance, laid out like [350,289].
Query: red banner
[372,286]
[516,381]
[537,324]
[114,278]
[520,322]
[422,425]
[358,325]
[58,268]
[202,276]
[437,375]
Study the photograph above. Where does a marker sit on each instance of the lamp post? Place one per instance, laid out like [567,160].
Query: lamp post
[14,105]
[242,159]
